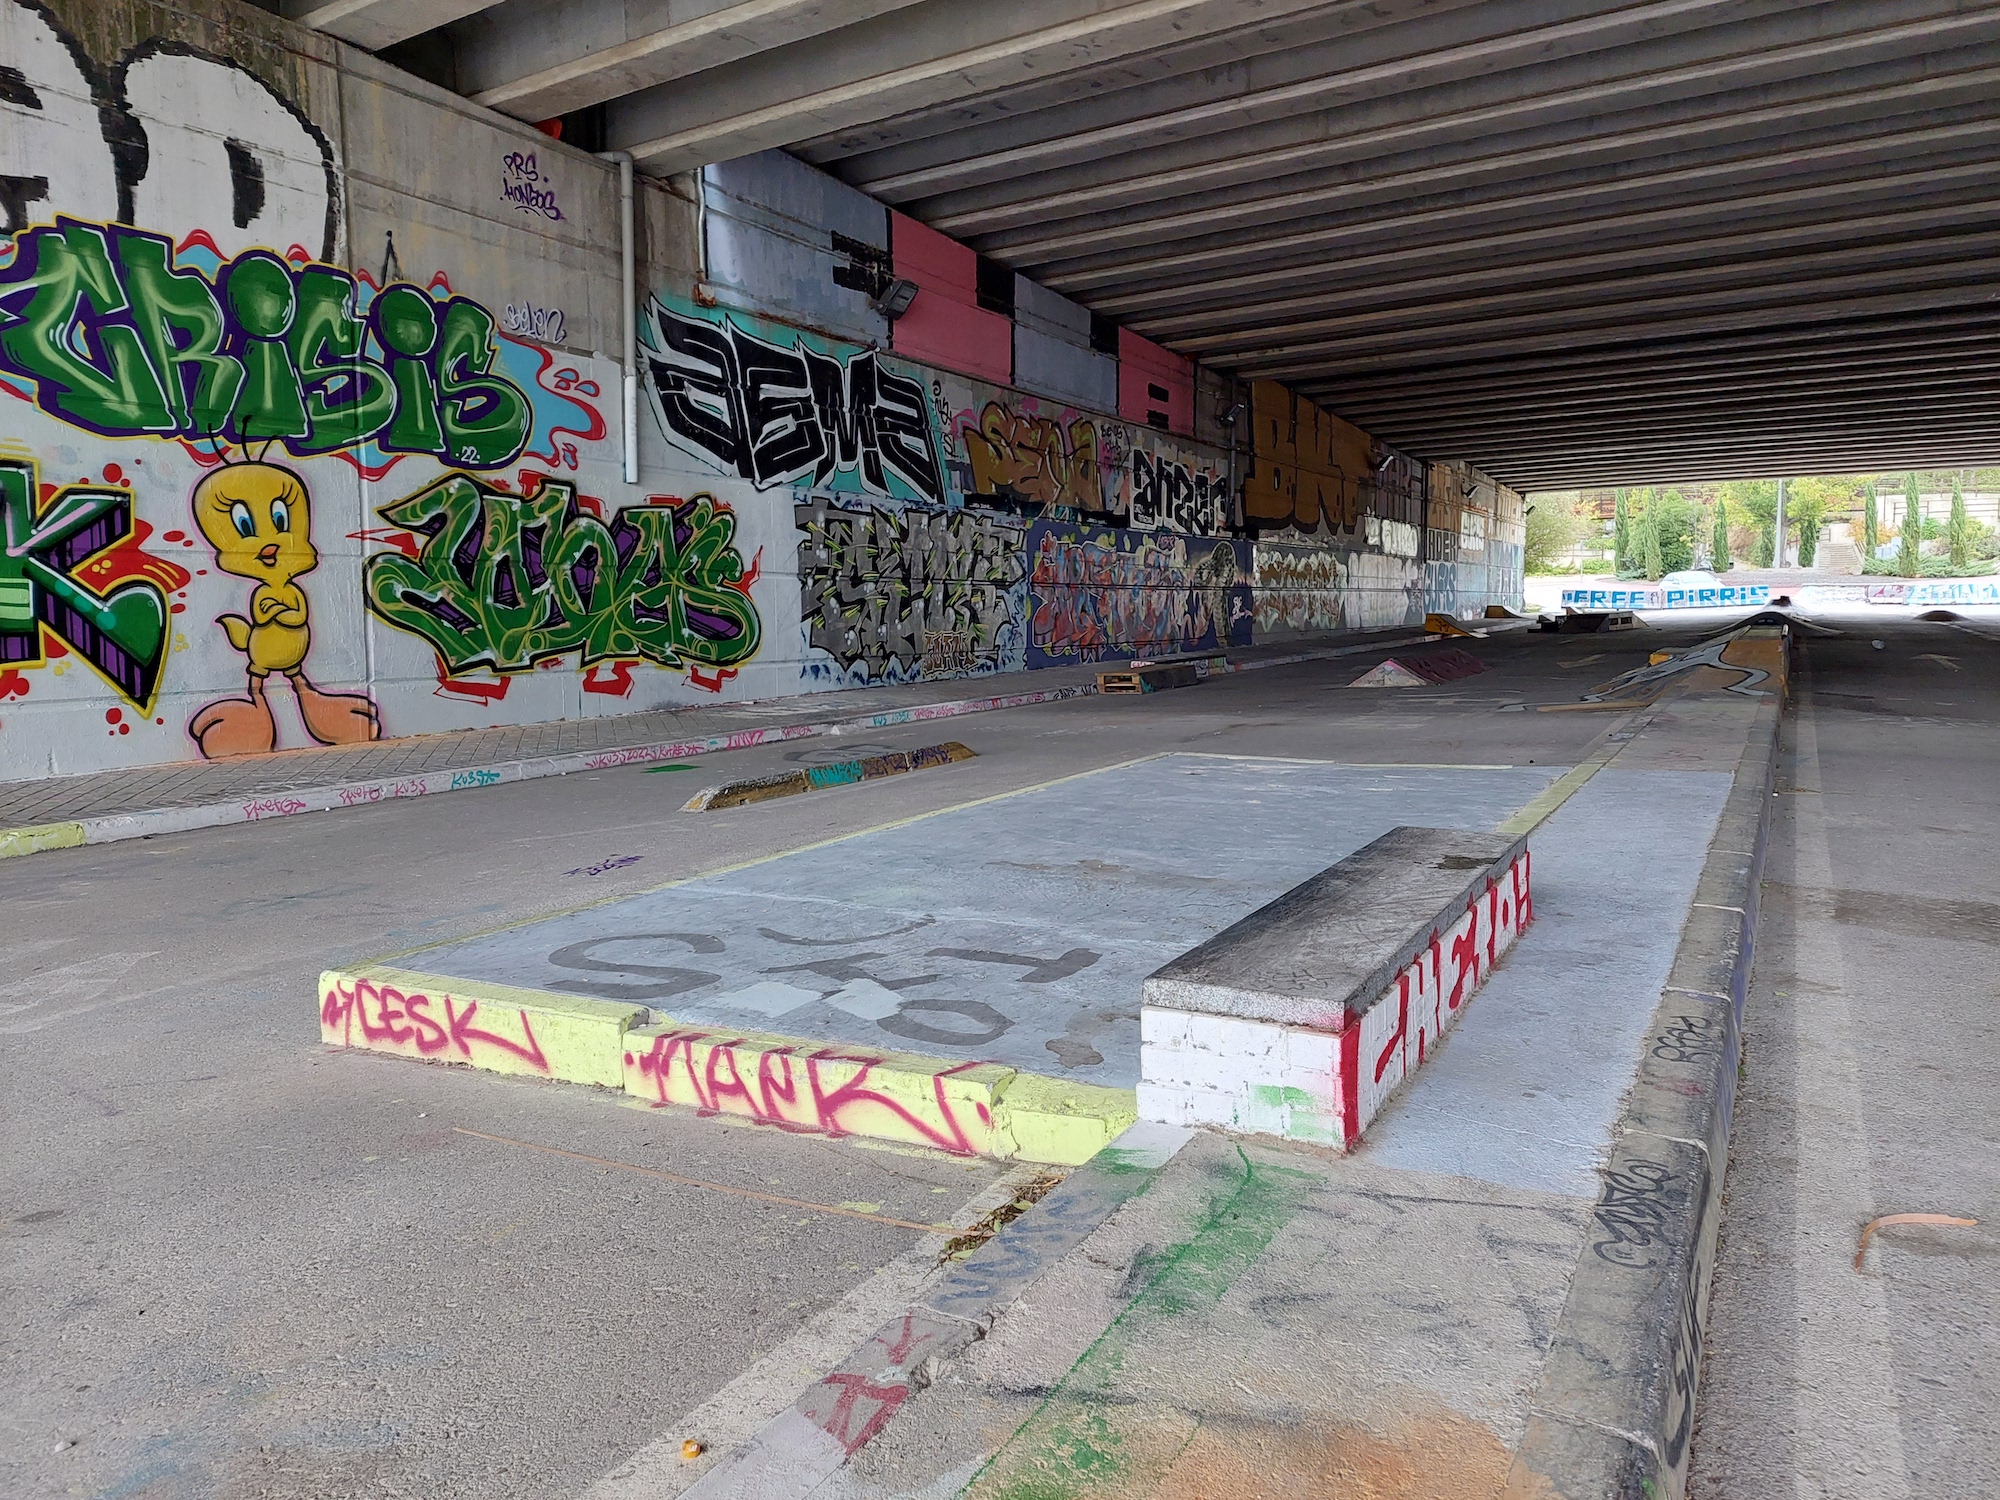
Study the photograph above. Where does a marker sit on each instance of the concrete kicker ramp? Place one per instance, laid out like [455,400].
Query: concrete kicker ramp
[969,979]
[1304,1017]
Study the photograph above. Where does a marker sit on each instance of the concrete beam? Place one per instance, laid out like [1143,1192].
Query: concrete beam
[1895,237]
[376,24]
[1859,454]
[1764,350]
[1607,299]
[927,54]
[1745,417]
[1852,297]
[1481,415]
[1688,135]
[1606,193]
[1030,108]
[1415,248]
[1189,245]
[1064,176]
[1982,421]
[521,65]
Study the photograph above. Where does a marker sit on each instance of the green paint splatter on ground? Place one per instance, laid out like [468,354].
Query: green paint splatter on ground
[674,766]
[1083,1436]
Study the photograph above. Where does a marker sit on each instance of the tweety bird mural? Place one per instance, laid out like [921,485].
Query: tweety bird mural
[258,518]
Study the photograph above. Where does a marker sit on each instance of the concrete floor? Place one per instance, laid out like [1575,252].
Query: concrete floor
[1872,1062]
[248,1266]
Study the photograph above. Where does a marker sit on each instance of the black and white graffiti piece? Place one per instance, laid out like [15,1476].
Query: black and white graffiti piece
[1170,496]
[774,415]
[912,593]
[162,137]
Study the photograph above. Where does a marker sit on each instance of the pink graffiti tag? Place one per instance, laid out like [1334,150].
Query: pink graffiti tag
[861,1408]
[272,807]
[816,1093]
[406,1020]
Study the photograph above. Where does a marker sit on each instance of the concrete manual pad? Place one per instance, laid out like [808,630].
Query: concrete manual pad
[1016,930]
[1323,952]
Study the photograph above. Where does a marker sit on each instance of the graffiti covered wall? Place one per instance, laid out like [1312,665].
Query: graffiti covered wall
[290,457]
[287,458]
[1099,592]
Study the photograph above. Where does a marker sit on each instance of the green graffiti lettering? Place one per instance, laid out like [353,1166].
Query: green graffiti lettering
[176,317]
[348,395]
[405,321]
[263,300]
[481,414]
[93,372]
[115,337]
[121,631]
[505,581]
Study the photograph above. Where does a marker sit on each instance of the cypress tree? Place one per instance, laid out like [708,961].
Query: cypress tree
[1871,525]
[1621,537]
[1649,542]
[1721,562]
[1909,556]
[1959,534]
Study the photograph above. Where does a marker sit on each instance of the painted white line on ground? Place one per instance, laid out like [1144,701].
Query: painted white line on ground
[1844,1400]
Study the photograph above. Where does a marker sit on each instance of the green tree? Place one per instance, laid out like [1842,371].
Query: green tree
[1959,533]
[1621,536]
[1719,544]
[1555,524]
[1806,515]
[1757,500]
[1871,525]
[1678,521]
[1909,557]
[1648,540]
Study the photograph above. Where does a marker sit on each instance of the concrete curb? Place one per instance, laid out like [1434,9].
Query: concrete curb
[795,1084]
[840,1413]
[116,826]
[113,827]
[746,790]
[1614,1412]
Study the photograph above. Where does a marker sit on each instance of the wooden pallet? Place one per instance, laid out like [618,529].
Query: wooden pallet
[1150,678]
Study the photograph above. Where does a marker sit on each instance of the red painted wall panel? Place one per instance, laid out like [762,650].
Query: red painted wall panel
[946,325]
[1153,381]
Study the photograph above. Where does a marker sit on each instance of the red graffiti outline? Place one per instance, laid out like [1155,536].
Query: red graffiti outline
[485,692]
[618,682]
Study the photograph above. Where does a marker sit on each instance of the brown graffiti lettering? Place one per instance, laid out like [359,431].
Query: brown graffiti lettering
[1035,458]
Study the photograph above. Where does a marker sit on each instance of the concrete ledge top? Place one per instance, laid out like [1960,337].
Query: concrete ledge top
[1323,952]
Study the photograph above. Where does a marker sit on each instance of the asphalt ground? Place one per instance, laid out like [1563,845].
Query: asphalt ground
[245,1265]
[1871,1066]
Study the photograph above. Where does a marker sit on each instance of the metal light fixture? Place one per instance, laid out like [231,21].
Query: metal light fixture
[894,299]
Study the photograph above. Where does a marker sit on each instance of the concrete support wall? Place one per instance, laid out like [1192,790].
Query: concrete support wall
[311,430]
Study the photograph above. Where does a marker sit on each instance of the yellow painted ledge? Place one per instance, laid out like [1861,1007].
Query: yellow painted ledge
[1061,1122]
[790,1083]
[491,1026]
[39,836]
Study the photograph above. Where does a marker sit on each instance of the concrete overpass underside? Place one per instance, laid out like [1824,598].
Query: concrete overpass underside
[1571,241]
